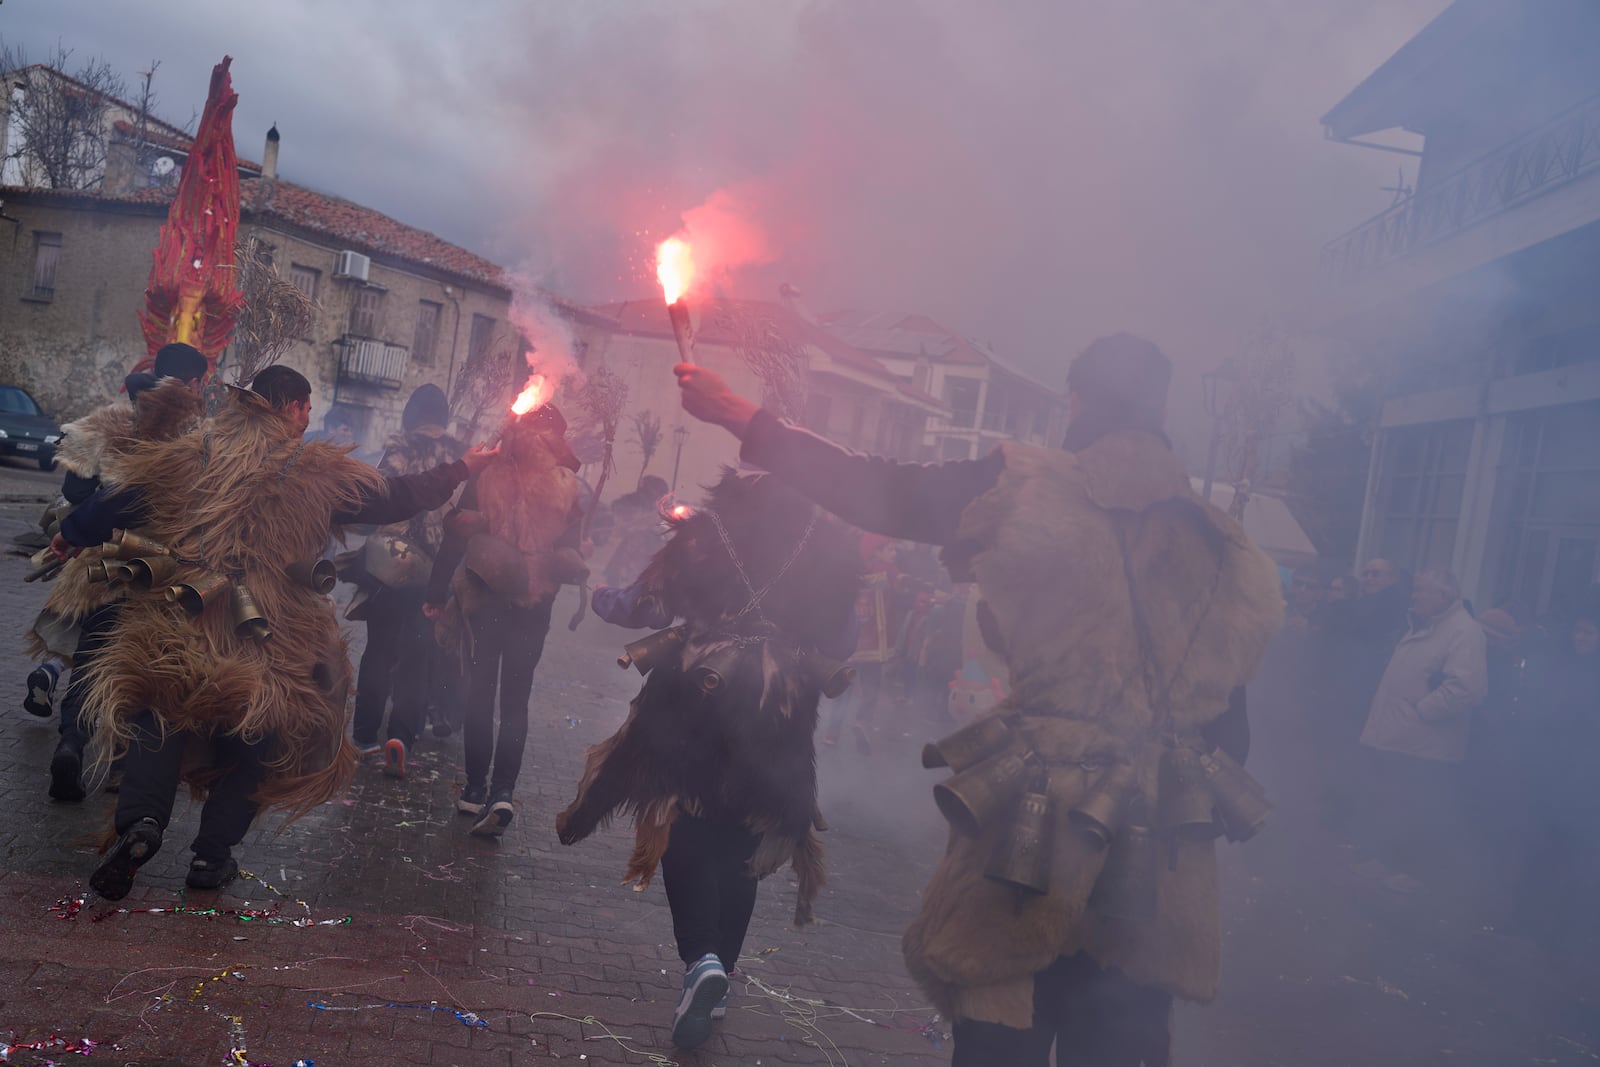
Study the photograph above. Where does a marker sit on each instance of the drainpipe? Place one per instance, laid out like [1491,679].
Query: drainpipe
[455,335]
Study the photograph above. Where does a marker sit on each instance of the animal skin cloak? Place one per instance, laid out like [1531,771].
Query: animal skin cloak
[743,751]
[245,497]
[88,445]
[1053,545]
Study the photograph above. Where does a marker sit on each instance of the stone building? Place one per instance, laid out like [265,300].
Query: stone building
[397,306]
[1474,299]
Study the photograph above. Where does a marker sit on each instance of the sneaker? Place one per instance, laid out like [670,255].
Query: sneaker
[211,874]
[42,690]
[704,987]
[721,1010]
[494,821]
[472,801]
[114,877]
[66,774]
[394,758]
[366,748]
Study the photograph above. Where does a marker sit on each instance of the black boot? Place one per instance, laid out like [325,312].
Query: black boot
[66,773]
[114,877]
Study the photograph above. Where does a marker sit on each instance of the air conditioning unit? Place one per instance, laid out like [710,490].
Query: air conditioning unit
[352,265]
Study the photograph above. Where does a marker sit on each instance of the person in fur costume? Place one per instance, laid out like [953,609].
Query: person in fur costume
[78,614]
[509,545]
[1078,891]
[716,761]
[232,644]
[392,570]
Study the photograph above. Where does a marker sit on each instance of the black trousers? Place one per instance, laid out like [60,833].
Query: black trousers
[1093,1016]
[396,661]
[507,642]
[710,894]
[150,775]
[93,633]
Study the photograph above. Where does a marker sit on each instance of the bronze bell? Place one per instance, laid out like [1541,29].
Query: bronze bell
[714,670]
[1186,802]
[150,572]
[318,575]
[118,572]
[198,593]
[974,797]
[1023,859]
[831,676]
[648,653]
[1240,800]
[973,742]
[96,571]
[1129,882]
[247,618]
[125,544]
[1098,815]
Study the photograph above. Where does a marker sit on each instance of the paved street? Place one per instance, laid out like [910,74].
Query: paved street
[376,931]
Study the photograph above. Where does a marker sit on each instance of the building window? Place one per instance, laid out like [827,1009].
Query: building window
[962,396]
[482,334]
[1419,494]
[426,338]
[1550,476]
[819,406]
[364,311]
[46,258]
[305,279]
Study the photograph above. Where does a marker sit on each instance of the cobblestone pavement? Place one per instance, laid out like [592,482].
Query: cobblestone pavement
[376,931]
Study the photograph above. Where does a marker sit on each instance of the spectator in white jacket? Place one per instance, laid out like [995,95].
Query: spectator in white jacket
[1436,676]
[1416,734]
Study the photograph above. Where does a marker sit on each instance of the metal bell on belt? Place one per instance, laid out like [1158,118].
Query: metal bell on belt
[1128,885]
[971,799]
[1099,814]
[125,544]
[318,575]
[247,618]
[1023,859]
[650,652]
[1240,799]
[149,572]
[195,595]
[714,670]
[1186,801]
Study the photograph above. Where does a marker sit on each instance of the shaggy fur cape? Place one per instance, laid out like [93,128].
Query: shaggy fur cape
[742,752]
[241,496]
[159,414]
[1048,546]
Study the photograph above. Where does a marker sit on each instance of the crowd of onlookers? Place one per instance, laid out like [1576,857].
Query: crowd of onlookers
[1456,746]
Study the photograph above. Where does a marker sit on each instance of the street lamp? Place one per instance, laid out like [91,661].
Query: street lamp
[1212,387]
[679,436]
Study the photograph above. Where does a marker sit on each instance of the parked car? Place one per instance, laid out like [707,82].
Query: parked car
[25,431]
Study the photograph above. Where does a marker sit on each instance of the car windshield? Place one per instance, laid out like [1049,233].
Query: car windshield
[15,402]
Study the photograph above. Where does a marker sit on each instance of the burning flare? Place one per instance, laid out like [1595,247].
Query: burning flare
[674,268]
[533,395]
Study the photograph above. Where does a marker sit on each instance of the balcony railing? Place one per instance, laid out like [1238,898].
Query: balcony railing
[1553,155]
[365,362]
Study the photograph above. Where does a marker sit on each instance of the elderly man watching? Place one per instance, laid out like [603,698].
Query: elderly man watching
[1417,727]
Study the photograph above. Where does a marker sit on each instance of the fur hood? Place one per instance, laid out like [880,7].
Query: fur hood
[159,414]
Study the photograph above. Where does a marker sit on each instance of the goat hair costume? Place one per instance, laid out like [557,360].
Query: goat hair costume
[763,581]
[88,446]
[236,503]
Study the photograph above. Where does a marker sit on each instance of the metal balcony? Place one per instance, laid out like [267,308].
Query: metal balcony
[1555,154]
[367,362]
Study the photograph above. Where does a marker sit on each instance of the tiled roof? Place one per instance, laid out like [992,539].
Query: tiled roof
[363,228]
[899,334]
[648,318]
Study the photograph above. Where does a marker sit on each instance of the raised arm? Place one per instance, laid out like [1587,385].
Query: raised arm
[915,501]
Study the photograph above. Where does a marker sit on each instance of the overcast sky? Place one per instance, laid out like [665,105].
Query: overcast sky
[1032,172]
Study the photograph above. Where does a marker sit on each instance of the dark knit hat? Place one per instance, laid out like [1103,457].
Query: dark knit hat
[427,406]
[1124,377]
[180,361]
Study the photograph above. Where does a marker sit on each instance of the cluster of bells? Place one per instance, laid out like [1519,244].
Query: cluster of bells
[712,671]
[143,563]
[1201,796]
